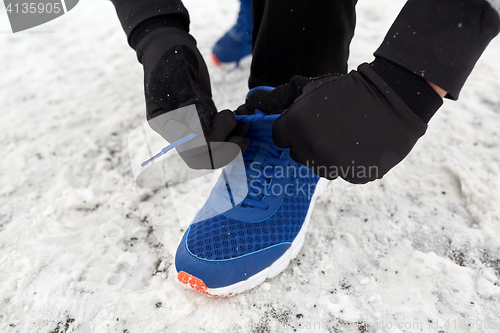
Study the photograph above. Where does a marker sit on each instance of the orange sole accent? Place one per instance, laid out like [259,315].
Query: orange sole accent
[216,61]
[195,284]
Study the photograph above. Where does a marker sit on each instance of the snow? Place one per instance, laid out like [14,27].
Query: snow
[83,249]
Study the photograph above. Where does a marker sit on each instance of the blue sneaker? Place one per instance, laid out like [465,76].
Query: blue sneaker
[222,254]
[237,42]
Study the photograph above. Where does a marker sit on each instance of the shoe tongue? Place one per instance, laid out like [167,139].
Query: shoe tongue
[261,145]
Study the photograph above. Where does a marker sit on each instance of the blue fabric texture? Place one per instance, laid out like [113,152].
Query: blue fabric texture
[222,273]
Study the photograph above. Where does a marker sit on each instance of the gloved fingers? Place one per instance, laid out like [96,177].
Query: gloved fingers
[224,145]
[281,132]
[274,101]
[297,158]
[244,110]
[223,153]
[222,124]
[240,141]
[171,128]
[278,99]
[320,168]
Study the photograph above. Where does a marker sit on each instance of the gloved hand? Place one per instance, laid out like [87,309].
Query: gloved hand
[353,126]
[175,76]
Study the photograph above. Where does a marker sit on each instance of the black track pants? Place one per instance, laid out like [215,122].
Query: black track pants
[290,37]
[300,37]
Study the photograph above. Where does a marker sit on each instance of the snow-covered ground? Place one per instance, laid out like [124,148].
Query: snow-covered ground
[83,249]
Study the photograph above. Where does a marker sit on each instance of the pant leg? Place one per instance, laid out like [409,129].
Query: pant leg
[300,37]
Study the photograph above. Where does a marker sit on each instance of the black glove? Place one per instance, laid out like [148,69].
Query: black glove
[353,126]
[175,76]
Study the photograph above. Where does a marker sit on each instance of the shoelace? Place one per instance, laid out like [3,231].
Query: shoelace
[170,147]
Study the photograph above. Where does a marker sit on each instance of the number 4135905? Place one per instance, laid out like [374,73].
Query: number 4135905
[33,8]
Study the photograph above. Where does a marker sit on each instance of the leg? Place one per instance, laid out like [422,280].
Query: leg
[300,37]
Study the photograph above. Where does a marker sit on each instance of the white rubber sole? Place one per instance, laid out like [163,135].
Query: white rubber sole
[276,268]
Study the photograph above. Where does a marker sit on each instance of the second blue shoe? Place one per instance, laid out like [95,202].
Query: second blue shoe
[237,42]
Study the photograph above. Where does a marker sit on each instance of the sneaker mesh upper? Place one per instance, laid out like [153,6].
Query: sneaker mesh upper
[220,237]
